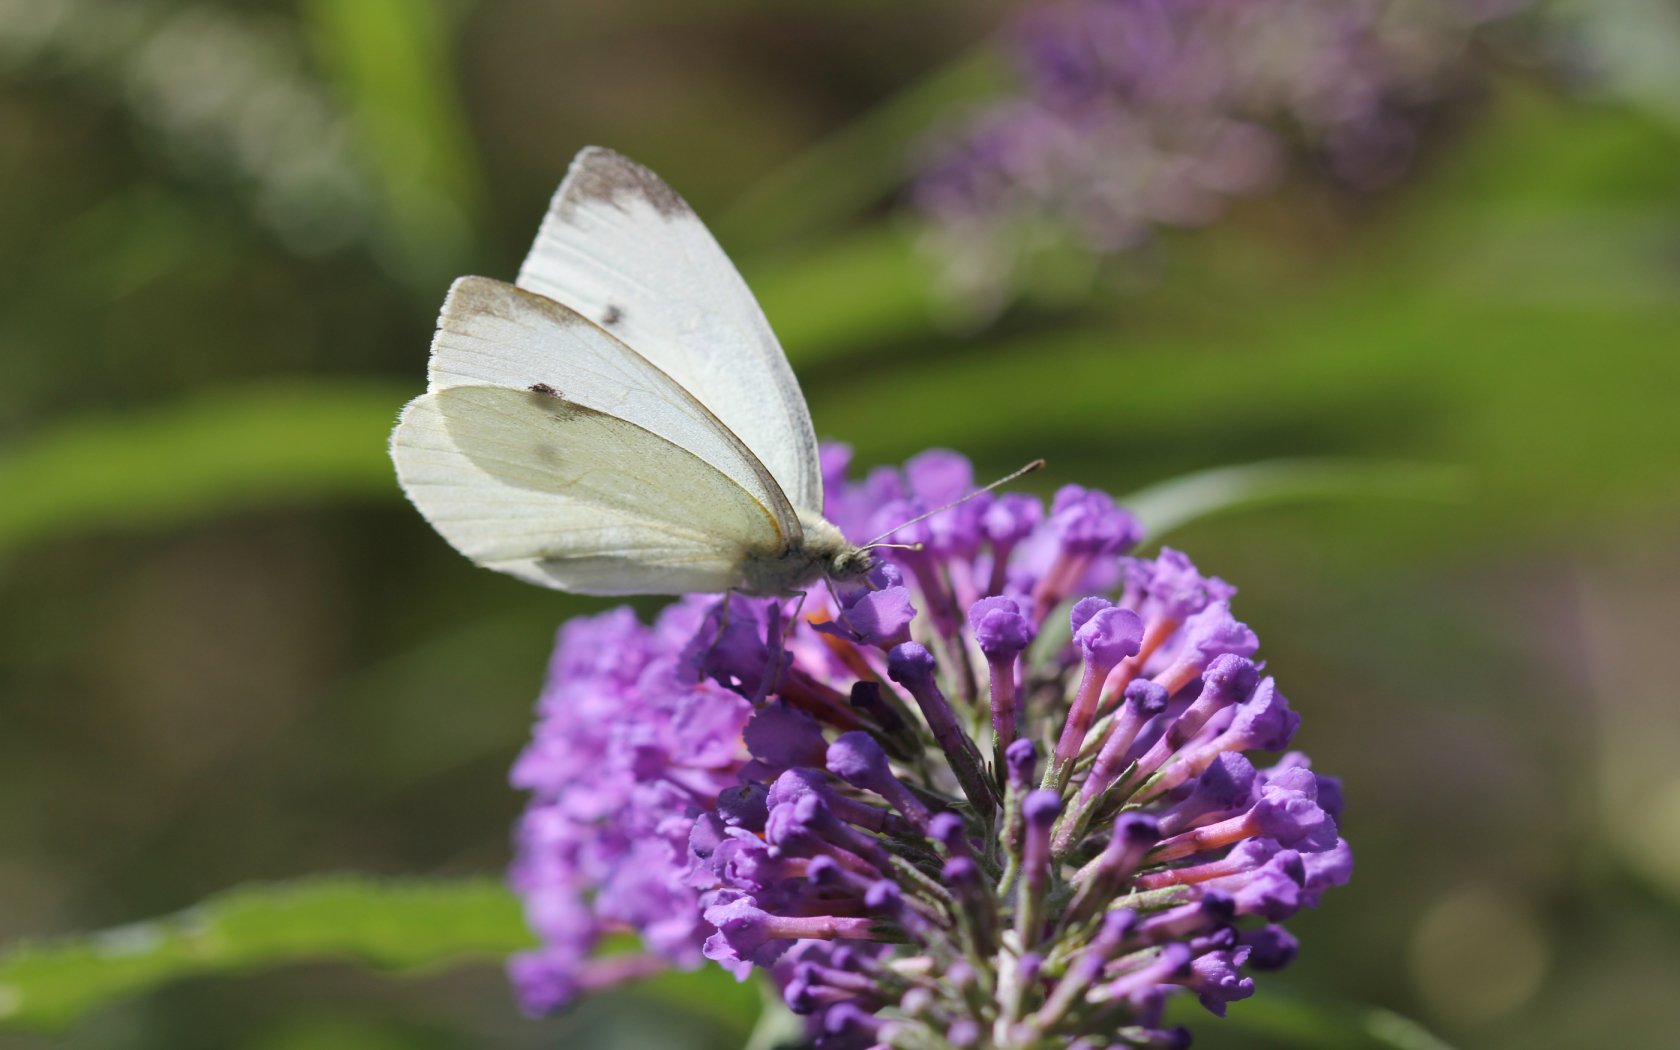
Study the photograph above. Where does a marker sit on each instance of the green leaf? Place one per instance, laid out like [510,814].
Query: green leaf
[1175,503]
[213,452]
[1178,502]
[777,1025]
[1310,1024]
[710,993]
[397,925]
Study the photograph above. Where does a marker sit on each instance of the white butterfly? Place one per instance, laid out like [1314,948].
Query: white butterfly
[622,420]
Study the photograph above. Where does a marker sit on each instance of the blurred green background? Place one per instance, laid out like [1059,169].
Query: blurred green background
[230,652]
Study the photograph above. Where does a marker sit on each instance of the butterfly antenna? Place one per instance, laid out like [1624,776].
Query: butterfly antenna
[1037,464]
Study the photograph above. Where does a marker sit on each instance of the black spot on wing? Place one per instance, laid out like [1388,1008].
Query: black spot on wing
[549,400]
[611,315]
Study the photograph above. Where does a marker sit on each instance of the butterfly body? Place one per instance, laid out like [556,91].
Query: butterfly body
[821,552]
[621,420]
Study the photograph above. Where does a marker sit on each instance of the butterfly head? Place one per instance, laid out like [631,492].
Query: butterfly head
[836,557]
[850,562]
[821,552]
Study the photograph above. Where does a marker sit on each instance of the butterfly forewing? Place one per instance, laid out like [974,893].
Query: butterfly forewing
[622,247]
[492,333]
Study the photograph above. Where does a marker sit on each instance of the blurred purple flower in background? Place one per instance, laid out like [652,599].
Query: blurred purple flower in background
[969,796]
[1136,114]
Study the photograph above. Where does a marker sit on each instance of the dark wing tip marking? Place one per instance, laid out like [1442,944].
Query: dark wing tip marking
[473,297]
[612,315]
[543,388]
[601,175]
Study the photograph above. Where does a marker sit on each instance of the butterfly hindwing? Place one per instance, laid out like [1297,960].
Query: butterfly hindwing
[529,483]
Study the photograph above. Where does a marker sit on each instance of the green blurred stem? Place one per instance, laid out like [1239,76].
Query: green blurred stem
[383,57]
[858,166]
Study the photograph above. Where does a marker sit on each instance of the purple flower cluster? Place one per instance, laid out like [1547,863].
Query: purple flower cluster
[969,801]
[629,750]
[1135,114]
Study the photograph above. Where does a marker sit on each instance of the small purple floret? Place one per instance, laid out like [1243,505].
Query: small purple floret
[999,627]
[1022,761]
[1149,698]
[782,737]
[910,665]
[1109,636]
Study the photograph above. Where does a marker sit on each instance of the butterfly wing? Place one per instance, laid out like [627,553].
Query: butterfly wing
[493,334]
[569,496]
[622,247]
